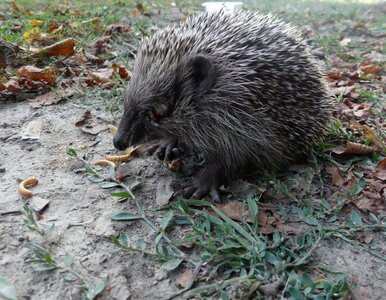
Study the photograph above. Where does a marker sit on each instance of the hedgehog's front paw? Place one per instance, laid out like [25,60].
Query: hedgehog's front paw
[208,183]
[163,149]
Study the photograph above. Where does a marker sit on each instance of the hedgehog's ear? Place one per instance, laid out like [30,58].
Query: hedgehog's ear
[202,72]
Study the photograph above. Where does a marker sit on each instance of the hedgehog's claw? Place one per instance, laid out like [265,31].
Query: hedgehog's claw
[162,149]
[200,192]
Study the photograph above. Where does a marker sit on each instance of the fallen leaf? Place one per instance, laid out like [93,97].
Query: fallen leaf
[62,48]
[116,28]
[352,148]
[100,45]
[371,69]
[335,75]
[337,179]
[262,218]
[32,34]
[235,210]
[102,75]
[122,72]
[267,229]
[47,75]
[382,165]
[12,86]
[184,279]
[164,190]
[340,63]
[369,134]
[36,23]
[286,229]
[52,97]
[175,165]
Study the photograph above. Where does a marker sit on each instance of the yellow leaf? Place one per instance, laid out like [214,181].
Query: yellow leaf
[74,24]
[32,34]
[36,23]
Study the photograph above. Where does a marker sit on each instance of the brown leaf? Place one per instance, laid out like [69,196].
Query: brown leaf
[100,45]
[267,229]
[369,134]
[335,75]
[102,75]
[164,190]
[371,69]
[62,48]
[339,63]
[235,210]
[361,109]
[286,229]
[12,86]
[122,72]
[47,75]
[262,218]
[51,97]
[175,165]
[337,179]
[184,279]
[116,28]
[382,165]
[352,148]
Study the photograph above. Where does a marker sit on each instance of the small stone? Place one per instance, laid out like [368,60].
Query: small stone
[32,130]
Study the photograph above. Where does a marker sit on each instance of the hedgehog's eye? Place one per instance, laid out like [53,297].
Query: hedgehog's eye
[154,115]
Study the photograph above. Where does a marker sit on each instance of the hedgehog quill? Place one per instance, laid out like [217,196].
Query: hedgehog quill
[240,88]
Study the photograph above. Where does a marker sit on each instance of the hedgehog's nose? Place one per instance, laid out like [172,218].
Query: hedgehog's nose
[119,142]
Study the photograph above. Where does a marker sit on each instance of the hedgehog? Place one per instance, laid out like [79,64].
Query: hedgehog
[241,88]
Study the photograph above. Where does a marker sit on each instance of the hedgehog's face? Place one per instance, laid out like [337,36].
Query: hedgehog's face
[151,99]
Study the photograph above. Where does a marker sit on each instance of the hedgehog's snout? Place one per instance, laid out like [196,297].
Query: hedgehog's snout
[120,141]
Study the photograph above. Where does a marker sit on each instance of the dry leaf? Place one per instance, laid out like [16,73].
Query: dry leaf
[175,165]
[267,229]
[116,28]
[184,279]
[122,72]
[337,179]
[12,86]
[65,48]
[36,23]
[286,229]
[371,69]
[47,75]
[340,63]
[164,190]
[102,75]
[51,97]
[32,34]
[370,135]
[235,210]
[352,148]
